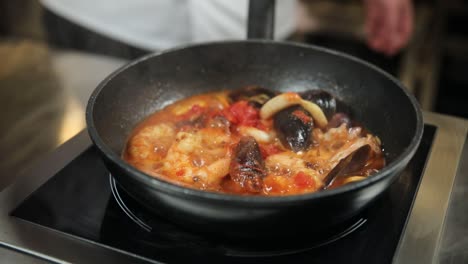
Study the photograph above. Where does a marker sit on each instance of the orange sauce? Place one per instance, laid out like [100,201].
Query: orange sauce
[191,143]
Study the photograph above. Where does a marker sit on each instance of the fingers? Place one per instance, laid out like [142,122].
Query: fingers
[376,24]
[386,33]
[388,24]
[373,23]
[406,25]
[402,30]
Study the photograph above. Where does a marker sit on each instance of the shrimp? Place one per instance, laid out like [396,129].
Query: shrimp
[152,142]
[288,164]
[199,157]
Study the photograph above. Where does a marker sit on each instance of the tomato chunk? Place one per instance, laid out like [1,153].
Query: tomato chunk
[303,180]
[243,114]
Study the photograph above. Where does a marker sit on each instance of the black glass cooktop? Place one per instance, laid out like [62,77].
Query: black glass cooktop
[80,201]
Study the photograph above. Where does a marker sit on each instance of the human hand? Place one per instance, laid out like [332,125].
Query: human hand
[389,24]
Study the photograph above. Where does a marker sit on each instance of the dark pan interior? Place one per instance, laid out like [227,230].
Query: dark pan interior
[138,90]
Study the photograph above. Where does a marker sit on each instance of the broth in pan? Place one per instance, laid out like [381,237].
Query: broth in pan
[255,141]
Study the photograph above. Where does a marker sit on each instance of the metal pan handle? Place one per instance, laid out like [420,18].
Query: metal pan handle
[261,19]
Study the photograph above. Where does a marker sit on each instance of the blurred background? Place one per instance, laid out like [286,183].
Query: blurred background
[46,79]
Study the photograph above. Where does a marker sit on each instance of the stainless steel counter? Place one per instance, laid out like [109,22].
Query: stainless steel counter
[424,232]
[10,256]
[454,244]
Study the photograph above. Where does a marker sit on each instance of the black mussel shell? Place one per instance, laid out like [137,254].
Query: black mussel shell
[324,100]
[294,127]
[329,104]
[349,165]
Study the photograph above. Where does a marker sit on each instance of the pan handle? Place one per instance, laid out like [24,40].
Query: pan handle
[261,19]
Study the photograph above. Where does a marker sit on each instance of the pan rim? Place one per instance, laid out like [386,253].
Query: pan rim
[173,189]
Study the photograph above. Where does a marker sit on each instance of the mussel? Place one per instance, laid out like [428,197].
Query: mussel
[329,104]
[349,162]
[285,100]
[294,119]
[294,127]
[255,95]
[324,100]
[247,166]
[336,111]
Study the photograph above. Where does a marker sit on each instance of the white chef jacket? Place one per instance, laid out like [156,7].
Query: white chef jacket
[161,24]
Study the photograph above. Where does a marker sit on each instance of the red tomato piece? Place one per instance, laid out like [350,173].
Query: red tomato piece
[303,180]
[302,116]
[242,114]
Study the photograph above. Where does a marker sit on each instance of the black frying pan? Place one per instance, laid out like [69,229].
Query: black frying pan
[141,87]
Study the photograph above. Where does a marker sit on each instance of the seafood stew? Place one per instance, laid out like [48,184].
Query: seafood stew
[255,141]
